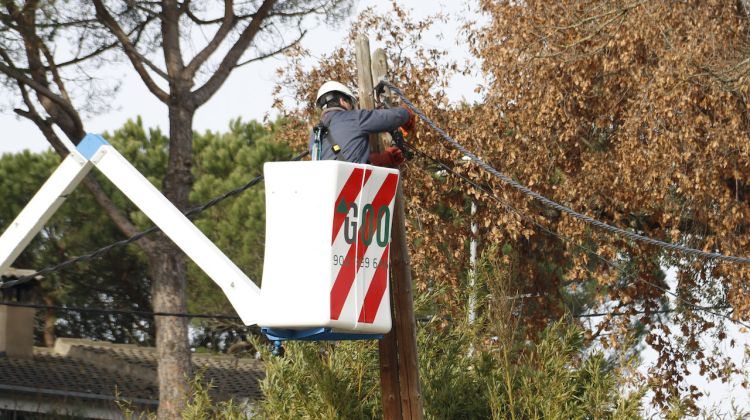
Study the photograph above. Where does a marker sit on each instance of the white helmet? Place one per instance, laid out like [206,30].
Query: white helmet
[328,90]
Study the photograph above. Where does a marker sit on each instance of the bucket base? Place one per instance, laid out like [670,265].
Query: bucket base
[315,334]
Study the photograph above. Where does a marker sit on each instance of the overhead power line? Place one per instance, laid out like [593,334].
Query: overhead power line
[103,250]
[627,276]
[105,311]
[643,312]
[557,206]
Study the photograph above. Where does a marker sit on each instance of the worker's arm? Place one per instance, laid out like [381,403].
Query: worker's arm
[382,120]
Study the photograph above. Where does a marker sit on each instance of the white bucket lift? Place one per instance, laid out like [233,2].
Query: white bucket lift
[328,227]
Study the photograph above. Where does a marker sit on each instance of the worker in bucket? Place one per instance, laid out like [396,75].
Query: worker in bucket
[343,131]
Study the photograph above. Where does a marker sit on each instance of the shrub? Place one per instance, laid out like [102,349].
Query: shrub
[200,406]
[486,369]
[322,380]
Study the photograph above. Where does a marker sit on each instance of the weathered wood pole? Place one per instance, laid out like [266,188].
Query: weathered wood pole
[399,370]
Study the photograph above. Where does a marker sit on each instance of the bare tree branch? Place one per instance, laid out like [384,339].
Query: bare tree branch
[170,33]
[230,60]
[151,13]
[70,23]
[116,214]
[138,30]
[227,23]
[744,7]
[135,57]
[272,53]
[7,20]
[301,13]
[66,117]
[78,59]
[199,21]
[38,87]
[40,122]
[53,69]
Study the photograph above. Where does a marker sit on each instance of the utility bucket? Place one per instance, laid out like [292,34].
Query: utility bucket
[328,230]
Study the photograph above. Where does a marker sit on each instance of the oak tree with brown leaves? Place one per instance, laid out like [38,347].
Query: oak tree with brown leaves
[632,112]
[636,114]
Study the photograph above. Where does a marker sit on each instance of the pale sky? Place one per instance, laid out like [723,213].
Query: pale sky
[247,94]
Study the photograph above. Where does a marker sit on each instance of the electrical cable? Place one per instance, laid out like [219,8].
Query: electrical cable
[566,239]
[120,311]
[489,193]
[656,311]
[97,253]
[467,153]
[549,203]
[427,318]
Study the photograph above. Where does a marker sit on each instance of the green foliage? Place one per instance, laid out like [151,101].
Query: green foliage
[148,152]
[79,226]
[454,383]
[322,380]
[553,380]
[35,166]
[201,405]
[487,369]
[222,162]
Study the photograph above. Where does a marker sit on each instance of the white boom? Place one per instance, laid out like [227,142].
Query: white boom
[42,206]
[242,293]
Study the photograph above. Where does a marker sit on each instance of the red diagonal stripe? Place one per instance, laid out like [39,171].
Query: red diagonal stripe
[345,278]
[374,295]
[343,283]
[349,192]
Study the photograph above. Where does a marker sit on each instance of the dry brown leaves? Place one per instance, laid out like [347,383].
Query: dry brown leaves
[641,109]
[633,112]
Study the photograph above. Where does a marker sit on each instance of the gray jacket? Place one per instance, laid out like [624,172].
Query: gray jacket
[350,129]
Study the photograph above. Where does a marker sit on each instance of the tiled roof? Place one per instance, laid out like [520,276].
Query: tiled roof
[85,369]
[12,272]
[51,372]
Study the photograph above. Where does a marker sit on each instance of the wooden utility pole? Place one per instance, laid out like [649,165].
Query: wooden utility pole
[399,370]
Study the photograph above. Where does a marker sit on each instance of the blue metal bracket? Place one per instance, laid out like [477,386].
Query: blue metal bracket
[315,334]
[90,144]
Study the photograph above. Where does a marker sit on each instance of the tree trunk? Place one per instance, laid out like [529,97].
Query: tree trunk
[169,275]
[49,324]
[167,270]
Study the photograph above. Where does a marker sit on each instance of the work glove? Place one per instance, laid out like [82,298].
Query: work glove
[409,125]
[392,157]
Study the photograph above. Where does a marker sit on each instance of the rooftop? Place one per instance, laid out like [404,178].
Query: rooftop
[85,372]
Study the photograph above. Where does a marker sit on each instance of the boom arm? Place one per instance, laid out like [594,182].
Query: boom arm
[42,206]
[242,293]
